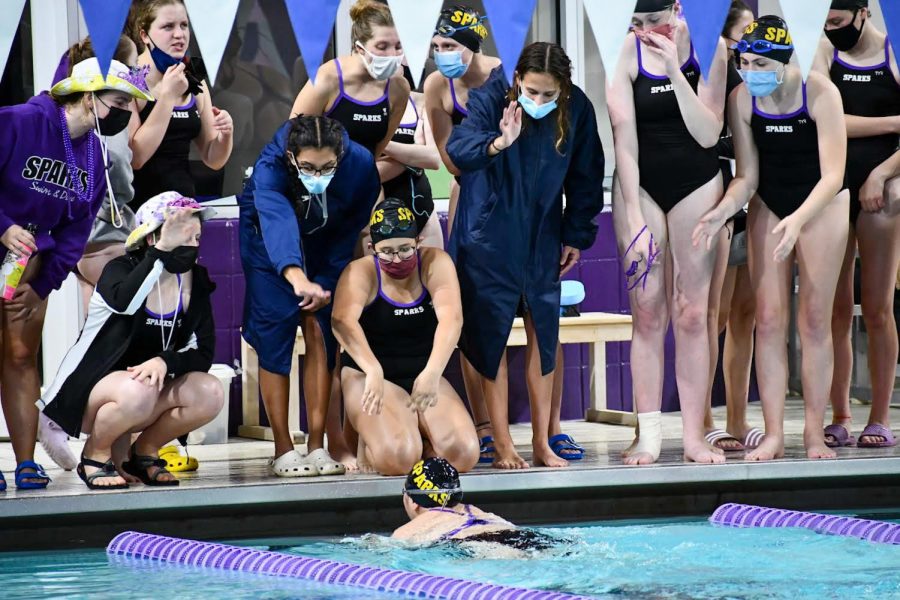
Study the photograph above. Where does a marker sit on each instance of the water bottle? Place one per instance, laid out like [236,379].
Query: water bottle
[13,267]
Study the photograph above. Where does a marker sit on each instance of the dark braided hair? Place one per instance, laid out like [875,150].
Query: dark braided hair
[546,57]
[310,132]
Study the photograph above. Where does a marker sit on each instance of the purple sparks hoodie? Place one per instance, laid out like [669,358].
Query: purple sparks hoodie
[35,187]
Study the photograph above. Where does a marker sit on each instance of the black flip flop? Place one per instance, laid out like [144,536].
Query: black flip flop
[107,469]
[139,466]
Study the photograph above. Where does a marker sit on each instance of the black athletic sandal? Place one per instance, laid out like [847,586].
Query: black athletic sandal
[107,469]
[139,466]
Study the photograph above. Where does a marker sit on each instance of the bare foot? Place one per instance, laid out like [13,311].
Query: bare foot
[815,445]
[544,456]
[508,458]
[732,443]
[627,451]
[771,447]
[103,481]
[699,451]
[361,462]
[351,465]
[639,458]
[126,476]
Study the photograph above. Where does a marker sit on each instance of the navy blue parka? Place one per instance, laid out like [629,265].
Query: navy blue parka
[510,225]
[278,230]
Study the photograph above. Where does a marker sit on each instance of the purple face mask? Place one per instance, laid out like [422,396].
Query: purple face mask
[401,269]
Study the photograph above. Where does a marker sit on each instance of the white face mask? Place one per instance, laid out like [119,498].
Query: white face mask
[380,68]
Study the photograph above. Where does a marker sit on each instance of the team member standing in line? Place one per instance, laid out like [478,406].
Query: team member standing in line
[666,124]
[731,303]
[365,91]
[791,146]
[183,111]
[858,58]
[513,240]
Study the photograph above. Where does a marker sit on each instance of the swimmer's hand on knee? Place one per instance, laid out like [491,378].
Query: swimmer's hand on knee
[373,393]
[424,394]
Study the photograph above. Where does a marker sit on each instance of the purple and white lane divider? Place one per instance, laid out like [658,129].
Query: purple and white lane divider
[234,558]
[745,515]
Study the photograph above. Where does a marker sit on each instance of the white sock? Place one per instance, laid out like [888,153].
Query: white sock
[650,441]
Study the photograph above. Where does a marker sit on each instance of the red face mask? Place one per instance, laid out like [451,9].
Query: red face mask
[401,269]
[665,30]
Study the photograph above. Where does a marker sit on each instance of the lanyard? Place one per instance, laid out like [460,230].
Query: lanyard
[162,326]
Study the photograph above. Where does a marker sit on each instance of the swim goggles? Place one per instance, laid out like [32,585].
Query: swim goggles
[389,228]
[759,46]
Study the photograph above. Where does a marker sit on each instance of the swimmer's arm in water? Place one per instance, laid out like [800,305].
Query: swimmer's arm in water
[315,98]
[439,277]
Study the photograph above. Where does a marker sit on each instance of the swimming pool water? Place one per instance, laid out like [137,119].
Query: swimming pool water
[671,560]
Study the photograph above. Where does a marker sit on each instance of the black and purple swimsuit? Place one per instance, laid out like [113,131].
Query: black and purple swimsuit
[401,336]
[366,122]
[870,91]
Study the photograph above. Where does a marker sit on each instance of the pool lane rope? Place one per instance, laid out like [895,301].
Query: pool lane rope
[745,515]
[135,545]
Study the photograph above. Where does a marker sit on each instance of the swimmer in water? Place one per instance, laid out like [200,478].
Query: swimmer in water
[432,497]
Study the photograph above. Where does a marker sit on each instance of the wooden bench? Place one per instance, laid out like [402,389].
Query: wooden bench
[595,329]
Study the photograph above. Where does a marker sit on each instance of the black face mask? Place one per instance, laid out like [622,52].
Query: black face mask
[115,121]
[181,260]
[846,37]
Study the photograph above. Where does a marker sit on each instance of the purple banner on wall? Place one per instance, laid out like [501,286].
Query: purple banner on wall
[705,19]
[105,20]
[509,21]
[313,22]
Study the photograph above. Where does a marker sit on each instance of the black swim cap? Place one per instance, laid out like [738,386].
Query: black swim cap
[392,219]
[464,25]
[849,4]
[767,36]
[433,483]
[647,6]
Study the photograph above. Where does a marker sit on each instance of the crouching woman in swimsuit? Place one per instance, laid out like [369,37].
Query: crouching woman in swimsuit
[432,498]
[791,145]
[141,361]
[398,317]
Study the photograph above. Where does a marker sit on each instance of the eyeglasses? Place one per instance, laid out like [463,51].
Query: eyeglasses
[759,46]
[311,171]
[404,253]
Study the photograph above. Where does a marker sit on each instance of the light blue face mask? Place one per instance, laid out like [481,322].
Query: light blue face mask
[761,83]
[316,184]
[536,111]
[450,64]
